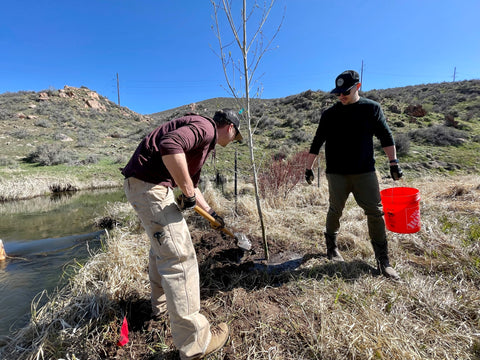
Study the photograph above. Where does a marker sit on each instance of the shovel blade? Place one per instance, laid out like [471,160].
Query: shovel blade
[243,242]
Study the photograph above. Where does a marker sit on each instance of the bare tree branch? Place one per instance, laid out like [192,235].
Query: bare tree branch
[246,70]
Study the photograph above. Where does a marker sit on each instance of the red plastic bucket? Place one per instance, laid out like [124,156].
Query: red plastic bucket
[401,206]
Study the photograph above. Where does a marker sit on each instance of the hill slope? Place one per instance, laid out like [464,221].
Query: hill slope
[436,126]
[77,118]
[302,306]
[76,130]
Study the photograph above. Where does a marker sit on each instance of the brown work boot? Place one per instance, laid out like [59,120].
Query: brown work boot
[219,338]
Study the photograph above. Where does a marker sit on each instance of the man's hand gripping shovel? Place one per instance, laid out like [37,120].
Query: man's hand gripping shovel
[241,239]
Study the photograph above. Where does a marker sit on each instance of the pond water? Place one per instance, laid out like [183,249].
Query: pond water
[45,236]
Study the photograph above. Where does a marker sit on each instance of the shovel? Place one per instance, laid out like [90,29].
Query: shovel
[242,241]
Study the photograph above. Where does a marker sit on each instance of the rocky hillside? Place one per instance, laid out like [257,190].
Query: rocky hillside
[76,124]
[437,126]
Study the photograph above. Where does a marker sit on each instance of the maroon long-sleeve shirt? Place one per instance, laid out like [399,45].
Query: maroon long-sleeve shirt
[191,134]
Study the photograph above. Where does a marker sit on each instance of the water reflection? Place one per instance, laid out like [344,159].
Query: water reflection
[48,234]
[46,217]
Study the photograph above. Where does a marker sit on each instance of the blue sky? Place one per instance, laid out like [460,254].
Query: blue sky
[164,51]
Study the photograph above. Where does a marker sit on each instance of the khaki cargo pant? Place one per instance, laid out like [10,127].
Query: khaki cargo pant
[173,267]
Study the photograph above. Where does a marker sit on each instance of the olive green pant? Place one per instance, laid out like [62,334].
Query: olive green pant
[173,267]
[366,192]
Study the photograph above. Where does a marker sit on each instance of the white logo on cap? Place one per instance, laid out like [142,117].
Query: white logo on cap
[340,82]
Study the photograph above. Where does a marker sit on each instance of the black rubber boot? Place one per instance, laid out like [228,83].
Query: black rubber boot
[384,267]
[332,250]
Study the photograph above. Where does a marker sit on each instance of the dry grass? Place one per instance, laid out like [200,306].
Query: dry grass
[33,185]
[71,316]
[318,310]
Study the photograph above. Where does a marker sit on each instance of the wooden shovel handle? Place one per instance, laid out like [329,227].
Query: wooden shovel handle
[212,220]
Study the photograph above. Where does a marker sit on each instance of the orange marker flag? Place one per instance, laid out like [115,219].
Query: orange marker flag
[123,333]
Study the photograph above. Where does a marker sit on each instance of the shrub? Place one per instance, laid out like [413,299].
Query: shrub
[293,121]
[469,116]
[5,114]
[50,154]
[90,159]
[43,123]
[120,159]
[281,175]
[402,144]
[85,138]
[300,103]
[20,134]
[315,116]
[394,109]
[62,117]
[450,121]
[278,134]
[373,95]
[268,123]
[439,136]
[299,136]
[60,188]
[415,111]
[51,91]
[6,161]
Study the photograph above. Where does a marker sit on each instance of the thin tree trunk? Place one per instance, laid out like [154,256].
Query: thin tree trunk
[250,137]
[244,48]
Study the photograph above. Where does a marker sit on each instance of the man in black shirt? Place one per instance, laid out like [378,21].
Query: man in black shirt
[347,129]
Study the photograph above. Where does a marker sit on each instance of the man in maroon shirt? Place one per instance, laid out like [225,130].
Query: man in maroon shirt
[172,156]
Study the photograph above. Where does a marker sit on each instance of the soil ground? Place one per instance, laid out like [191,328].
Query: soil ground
[223,268]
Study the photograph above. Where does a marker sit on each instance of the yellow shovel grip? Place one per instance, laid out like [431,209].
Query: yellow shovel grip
[212,220]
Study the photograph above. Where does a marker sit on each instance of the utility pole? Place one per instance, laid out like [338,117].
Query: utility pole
[454,73]
[361,77]
[118,90]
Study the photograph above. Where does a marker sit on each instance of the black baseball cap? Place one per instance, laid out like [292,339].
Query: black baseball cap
[230,116]
[345,81]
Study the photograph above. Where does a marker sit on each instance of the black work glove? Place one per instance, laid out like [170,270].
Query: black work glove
[396,172]
[186,202]
[218,218]
[309,176]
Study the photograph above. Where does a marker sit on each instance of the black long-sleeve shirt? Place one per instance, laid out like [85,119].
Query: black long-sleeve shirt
[347,131]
